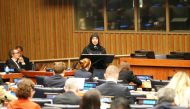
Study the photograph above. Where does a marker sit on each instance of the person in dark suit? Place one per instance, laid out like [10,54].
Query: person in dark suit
[12,62]
[110,87]
[25,62]
[70,96]
[58,79]
[126,74]
[85,66]
[94,46]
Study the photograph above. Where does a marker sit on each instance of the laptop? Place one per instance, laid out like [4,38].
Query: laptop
[89,85]
[147,101]
[144,77]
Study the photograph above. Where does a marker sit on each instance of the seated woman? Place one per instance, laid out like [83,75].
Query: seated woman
[84,71]
[91,100]
[180,82]
[126,74]
[24,91]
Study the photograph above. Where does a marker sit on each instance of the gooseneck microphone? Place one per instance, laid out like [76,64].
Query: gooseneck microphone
[95,47]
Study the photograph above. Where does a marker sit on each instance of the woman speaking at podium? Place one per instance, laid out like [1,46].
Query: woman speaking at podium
[98,64]
[94,46]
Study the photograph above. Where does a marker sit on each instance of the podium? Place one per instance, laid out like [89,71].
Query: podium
[99,63]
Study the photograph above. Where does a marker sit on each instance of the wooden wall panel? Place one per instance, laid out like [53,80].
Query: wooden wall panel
[45,29]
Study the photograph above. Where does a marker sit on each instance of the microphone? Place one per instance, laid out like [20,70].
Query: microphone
[95,47]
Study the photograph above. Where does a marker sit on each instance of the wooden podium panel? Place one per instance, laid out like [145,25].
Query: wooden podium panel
[32,74]
[158,68]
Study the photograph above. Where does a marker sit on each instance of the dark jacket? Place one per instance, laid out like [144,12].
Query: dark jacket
[67,98]
[28,65]
[111,88]
[166,105]
[54,81]
[127,77]
[91,49]
[12,65]
[82,73]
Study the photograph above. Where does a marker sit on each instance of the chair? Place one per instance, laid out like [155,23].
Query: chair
[2,65]
[157,84]
[40,80]
[42,101]
[63,106]
[137,106]
[40,91]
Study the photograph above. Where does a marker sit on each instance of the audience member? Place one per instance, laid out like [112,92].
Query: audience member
[25,62]
[180,82]
[127,75]
[12,62]
[84,71]
[70,95]
[110,87]
[24,91]
[120,103]
[166,99]
[91,100]
[58,79]
[5,95]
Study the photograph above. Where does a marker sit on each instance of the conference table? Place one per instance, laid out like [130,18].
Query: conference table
[10,76]
[160,69]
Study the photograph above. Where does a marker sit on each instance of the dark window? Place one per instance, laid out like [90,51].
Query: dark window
[89,14]
[152,14]
[120,15]
[179,14]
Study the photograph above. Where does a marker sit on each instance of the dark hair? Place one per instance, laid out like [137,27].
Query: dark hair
[18,46]
[91,100]
[121,103]
[94,35]
[24,88]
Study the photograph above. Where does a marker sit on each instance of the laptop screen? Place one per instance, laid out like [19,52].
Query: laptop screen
[147,101]
[144,77]
[89,85]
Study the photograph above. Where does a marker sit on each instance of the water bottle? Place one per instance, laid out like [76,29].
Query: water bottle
[7,69]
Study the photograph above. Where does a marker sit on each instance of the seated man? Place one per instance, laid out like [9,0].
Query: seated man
[166,99]
[12,62]
[70,95]
[111,88]
[58,79]
[25,62]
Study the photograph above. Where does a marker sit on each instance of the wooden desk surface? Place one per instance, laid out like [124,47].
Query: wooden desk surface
[157,62]
[36,73]
[158,68]
[11,76]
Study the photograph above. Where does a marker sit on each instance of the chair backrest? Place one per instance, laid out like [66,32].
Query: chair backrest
[42,101]
[157,84]
[40,80]
[40,91]
[63,106]
[137,106]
